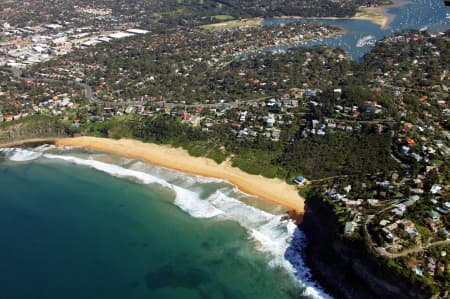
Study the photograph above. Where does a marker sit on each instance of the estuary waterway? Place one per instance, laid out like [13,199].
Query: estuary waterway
[361,35]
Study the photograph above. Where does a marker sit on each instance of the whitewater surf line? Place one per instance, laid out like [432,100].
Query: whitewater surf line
[272,234]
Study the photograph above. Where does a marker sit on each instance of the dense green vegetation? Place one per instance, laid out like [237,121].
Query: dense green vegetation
[336,153]
[374,130]
[192,66]
[396,98]
[408,247]
[319,157]
[162,130]
[176,12]
[40,126]
[339,154]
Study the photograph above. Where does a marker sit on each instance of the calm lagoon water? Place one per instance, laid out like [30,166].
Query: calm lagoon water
[361,35]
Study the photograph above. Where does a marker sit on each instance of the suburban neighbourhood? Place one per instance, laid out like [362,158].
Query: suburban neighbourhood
[370,138]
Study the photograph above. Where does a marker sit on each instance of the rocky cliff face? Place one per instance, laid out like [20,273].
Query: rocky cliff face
[343,267]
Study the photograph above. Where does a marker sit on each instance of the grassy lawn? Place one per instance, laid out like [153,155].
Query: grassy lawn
[223,18]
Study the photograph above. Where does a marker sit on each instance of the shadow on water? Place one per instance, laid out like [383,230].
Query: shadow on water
[174,276]
[295,255]
[133,285]
[183,276]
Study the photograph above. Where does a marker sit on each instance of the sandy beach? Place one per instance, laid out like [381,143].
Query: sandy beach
[375,14]
[274,191]
[381,20]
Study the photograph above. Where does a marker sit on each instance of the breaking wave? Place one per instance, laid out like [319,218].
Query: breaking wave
[173,175]
[184,198]
[20,155]
[24,155]
[273,234]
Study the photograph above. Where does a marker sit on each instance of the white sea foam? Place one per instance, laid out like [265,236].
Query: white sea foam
[24,155]
[191,203]
[246,215]
[274,235]
[20,155]
[44,147]
[185,199]
[171,175]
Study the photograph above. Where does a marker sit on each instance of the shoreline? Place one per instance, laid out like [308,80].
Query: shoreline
[383,23]
[342,31]
[28,142]
[375,14]
[274,191]
[380,15]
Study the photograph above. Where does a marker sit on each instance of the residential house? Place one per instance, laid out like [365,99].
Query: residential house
[349,227]
[299,180]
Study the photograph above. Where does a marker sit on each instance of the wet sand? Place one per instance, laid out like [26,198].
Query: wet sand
[273,191]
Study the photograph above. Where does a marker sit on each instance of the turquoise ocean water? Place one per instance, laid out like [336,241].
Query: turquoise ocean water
[77,224]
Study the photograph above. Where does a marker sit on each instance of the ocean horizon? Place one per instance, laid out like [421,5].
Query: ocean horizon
[83,224]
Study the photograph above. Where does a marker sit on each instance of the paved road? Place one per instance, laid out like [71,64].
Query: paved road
[93,99]
[381,251]
[87,89]
[403,165]
[416,249]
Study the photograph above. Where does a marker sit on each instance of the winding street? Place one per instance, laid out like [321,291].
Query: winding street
[416,249]
[382,252]
[17,73]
